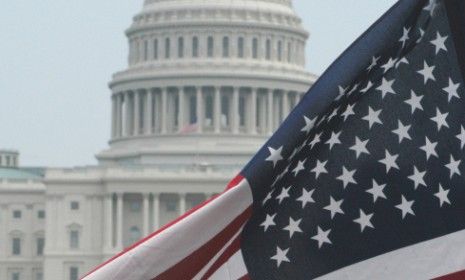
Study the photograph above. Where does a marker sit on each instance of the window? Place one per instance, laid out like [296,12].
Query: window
[41,214]
[289,54]
[155,49]
[242,104]
[39,275]
[17,214]
[167,47]
[195,47]
[15,276]
[280,51]
[171,205]
[255,48]
[208,110]
[74,239]
[240,47]
[225,46]
[16,246]
[135,206]
[210,46]
[180,47]
[268,49]
[136,51]
[7,160]
[74,205]
[146,50]
[73,273]
[135,234]
[40,246]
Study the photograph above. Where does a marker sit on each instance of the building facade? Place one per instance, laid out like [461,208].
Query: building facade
[207,83]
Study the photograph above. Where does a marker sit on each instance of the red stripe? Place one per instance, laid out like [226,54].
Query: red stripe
[192,264]
[227,254]
[245,277]
[182,217]
[454,276]
[234,182]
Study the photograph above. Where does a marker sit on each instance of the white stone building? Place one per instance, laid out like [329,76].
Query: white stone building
[207,82]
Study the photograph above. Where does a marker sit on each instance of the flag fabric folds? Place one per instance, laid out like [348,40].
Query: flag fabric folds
[364,179]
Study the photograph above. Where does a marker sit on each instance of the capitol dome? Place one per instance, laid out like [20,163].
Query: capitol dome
[207,81]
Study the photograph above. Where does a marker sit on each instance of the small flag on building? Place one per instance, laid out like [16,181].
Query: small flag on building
[364,179]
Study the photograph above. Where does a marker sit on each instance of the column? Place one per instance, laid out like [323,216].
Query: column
[270,111]
[114,101]
[148,112]
[235,111]
[285,104]
[181,109]
[127,115]
[119,220]
[155,210]
[199,107]
[217,108]
[136,111]
[182,203]
[146,217]
[163,110]
[253,112]
[109,220]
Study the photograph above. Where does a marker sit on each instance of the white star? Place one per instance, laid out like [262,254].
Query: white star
[417,177]
[347,177]
[442,196]
[284,194]
[388,65]
[414,101]
[422,33]
[403,60]
[293,227]
[427,72]
[333,140]
[334,207]
[461,137]
[306,197]
[372,117]
[299,167]
[360,147]
[275,155]
[268,197]
[364,220]
[405,36]
[374,61]
[377,191]
[281,256]
[316,139]
[406,207]
[402,131]
[348,112]
[269,221]
[439,43]
[389,161]
[451,90]
[342,92]
[431,7]
[440,119]
[319,168]
[429,148]
[386,87]
[453,166]
[369,85]
[309,123]
[333,114]
[322,237]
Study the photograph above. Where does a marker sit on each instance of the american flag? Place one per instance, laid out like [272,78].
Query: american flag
[364,179]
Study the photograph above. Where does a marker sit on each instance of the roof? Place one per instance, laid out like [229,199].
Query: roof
[20,173]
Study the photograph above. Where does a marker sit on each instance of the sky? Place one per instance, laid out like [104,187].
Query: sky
[57,57]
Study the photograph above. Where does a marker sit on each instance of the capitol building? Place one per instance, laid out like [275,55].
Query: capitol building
[207,82]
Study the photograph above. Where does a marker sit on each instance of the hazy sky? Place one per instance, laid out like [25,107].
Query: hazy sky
[56,58]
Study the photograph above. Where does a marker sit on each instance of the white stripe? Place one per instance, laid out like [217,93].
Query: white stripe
[425,260]
[233,269]
[172,245]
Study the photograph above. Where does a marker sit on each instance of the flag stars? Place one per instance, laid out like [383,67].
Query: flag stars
[372,117]
[360,147]
[439,43]
[322,237]
[405,36]
[388,65]
[281,256]
[414,102]
[386,87]
[333,140]
[364,220]
[427,72]
[453,166]
[269,222]
[429,148]
[417,177]
[368,87]
[402,131]
[461,137]
[319,168]
[306,197]
[334,207]
[451,90]
[440,119]
[309,124]
[406,207]
[283,195]
[316,139]
[374,62]
[299,167]
[348,112]
[377,191]
[293,227]
[442,195]
[275,155]
[389,161]
[347,177]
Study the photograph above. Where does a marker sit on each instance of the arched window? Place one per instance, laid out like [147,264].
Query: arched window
[255,48]
[280,50]
[240,47]
[146,50]
[136,51]
[135,234]
[210,46]
[180,47]
[289,52]
[225,46]
[195,47]
[268,49]
[155,49]
[167,47]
